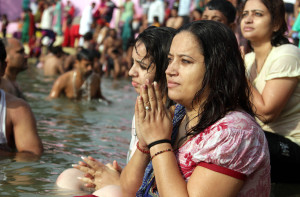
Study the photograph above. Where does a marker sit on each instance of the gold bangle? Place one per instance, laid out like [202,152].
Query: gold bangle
[162,151]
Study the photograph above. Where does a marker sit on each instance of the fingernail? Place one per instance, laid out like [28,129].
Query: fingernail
[155,83]
[79,178]
[74,165]
[83,158]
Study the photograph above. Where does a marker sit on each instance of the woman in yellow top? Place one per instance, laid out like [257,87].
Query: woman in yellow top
[273,69]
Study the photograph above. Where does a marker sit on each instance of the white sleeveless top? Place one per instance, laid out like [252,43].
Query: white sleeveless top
[3,140]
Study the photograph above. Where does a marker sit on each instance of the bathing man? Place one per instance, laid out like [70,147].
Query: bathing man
[16,60]
[18,132]
[81,82]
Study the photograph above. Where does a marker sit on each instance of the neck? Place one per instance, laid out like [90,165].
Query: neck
[11,74]
[191,117]
[261,49]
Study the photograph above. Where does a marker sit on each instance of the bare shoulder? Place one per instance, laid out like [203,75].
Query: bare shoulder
[16,105]
[64,78]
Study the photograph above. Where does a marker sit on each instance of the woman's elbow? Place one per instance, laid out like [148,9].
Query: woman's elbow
[267,117]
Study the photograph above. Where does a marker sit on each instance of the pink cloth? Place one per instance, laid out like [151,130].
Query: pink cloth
[235,146]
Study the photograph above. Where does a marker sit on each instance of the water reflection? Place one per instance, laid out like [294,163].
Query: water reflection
[69,129]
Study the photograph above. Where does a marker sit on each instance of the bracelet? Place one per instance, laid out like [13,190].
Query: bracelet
[162,151]
[158,142]
[142,150]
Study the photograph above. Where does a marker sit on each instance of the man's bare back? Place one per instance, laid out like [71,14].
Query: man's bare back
[53,66]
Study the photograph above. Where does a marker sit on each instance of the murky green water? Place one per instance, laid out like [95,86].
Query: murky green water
[69,129]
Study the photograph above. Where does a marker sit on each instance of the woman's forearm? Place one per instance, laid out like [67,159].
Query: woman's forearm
[168,178]
[133,173]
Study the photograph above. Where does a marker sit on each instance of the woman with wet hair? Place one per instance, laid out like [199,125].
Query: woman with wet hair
[213,147]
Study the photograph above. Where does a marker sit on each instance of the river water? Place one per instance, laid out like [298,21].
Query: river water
[69,129]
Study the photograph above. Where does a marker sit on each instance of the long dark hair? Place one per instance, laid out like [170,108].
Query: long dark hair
[277,12]
[157,41]
[225,75]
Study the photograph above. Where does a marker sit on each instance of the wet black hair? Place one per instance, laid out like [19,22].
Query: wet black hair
[2,58]
[96,53]
[277,12]
[88,36]
[224,83]
[157,41]
[2,51]
[57,50]
[224,6]
[85,54]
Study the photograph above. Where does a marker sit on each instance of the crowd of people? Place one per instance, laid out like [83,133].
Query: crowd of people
[218,105]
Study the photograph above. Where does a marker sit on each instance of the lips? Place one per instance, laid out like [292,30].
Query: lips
[172,84]
[135,84]
[247,29]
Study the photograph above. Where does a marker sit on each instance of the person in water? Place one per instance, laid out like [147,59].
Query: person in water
[81,82]
[18,132]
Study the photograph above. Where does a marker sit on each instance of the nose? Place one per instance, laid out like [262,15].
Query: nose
[172,69]
[132,72]
[248,18]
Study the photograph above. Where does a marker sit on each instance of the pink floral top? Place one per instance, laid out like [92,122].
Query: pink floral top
[235,146]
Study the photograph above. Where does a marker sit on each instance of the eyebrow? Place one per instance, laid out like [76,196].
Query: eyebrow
[20,50]
[141,62]
[183,55]
[254,10]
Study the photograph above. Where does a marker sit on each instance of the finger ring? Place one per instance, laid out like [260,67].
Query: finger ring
[147,108]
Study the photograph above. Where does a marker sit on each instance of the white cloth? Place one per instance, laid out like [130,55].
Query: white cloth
[47,17]
[3,140]
[289,1]
[86,20]
[184,7]
[156,8]
[34,7]
[133,141]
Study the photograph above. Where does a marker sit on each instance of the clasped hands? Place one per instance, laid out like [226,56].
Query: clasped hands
[153,120]
[98,175]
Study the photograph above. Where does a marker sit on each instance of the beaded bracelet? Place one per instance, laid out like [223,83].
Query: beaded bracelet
[162,151]
[158,142]
[142,150]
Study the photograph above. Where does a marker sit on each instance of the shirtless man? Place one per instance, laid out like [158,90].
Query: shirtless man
[53,62]
[112,54]
[18,132]
[81,82]
[16,60]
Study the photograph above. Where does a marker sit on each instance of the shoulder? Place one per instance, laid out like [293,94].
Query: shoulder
[288,49]
[65,76]
[95,78]
[285,52]
[235,124]
[232,142]
[16,105]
